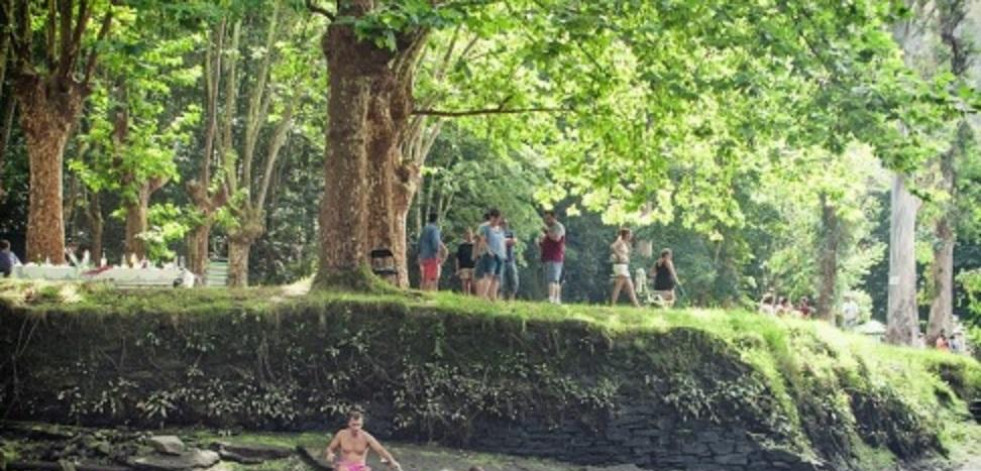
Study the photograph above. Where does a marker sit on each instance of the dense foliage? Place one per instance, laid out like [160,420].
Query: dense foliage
[751,137]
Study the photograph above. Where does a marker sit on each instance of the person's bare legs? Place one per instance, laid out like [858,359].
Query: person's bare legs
[482,285]
[467,287]
[493,287]
[555,293]
[617,286]
[630,291]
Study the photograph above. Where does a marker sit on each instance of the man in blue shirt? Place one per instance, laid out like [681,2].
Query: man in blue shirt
[431,255]
[493,249]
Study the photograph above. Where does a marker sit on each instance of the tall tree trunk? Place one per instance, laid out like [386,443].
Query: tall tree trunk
[47,114]
[197,248]
[368,109]
[344,208]
[942,270]
[136,223]
[952,15]
[240,239]
[238,262]
[902,318]
[93,215]
[830,238]
[942,307]
[6,125]
[204,201]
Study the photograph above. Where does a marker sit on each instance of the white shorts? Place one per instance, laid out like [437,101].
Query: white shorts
[621,269]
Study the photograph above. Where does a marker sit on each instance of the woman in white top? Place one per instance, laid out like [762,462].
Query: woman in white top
[620,256]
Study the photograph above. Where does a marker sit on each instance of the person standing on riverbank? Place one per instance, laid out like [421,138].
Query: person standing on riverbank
[354,443]
[465,262]
[432,252]
[552,244]
[620,257]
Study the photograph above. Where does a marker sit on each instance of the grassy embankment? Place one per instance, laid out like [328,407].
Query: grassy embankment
[820,391]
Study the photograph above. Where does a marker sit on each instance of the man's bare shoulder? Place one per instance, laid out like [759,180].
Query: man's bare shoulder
[342,433]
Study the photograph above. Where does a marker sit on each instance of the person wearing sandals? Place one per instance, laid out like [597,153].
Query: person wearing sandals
[620,256]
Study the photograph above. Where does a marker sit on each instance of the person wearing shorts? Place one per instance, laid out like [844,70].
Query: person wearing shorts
[620,257]
[353,443]
[430,250]
[552,244]
[465,262]
[491,263]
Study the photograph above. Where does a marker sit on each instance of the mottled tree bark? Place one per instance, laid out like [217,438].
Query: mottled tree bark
[830,243]
[136,224]
[47,114]
[952,15]
[368,110]
[49,87]
[96,223]
[901,317]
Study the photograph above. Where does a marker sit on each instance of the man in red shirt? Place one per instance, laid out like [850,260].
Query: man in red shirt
[552,244]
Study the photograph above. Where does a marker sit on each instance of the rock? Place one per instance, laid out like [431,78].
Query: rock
[230,456]
[167,444]
[40,431]
[192,459]
[103,447]
[315,458]
[260,452]
[623,467]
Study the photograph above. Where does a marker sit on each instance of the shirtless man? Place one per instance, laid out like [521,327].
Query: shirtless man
[354,443]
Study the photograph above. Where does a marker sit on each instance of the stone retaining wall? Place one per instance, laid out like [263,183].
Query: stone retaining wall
[563,390]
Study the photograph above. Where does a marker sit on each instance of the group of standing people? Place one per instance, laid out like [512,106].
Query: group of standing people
[485,260]
[486,265]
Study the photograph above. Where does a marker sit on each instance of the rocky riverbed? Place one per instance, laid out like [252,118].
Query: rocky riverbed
[42,447]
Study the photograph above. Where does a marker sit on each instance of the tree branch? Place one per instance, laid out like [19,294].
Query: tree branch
[319,10]
[103,32]
[455,114]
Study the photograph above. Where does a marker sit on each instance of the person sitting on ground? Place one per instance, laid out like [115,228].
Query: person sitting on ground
[620,256]
[465,262]
[429,255]
[354,443]
[8,260]
[941,342]
[768,304]
[665,278]
[804,307]
[783,307]
[957,342]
